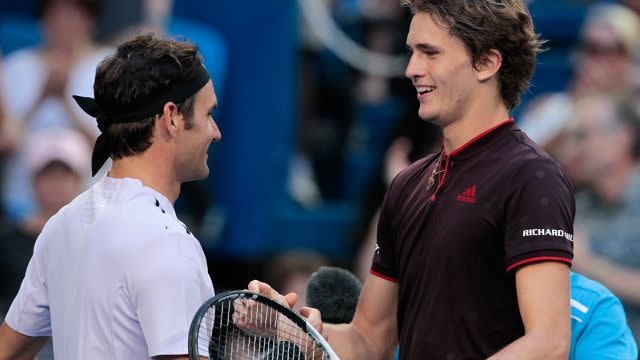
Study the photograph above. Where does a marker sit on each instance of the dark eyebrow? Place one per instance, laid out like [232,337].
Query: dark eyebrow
[427,47]
[424,47]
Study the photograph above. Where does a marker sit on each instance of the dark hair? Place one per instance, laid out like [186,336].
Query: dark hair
[91,7]
[140,67]
[483,25]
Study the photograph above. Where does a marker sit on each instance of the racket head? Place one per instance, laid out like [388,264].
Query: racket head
[214,334]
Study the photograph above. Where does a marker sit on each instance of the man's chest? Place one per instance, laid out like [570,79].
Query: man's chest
[461,222]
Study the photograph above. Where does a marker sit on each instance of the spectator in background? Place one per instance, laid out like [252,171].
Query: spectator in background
[9,135]
[604,61]
[606,133]
[633,5]
[8,126]
[123,19]
[58,162]
[38,84]
[606,53]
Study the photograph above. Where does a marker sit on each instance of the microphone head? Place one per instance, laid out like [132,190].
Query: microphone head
[335,292]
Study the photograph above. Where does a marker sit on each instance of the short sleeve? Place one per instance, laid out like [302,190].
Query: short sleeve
[29,312]
[539,215]
[167,287]
[605,333]
[384,265]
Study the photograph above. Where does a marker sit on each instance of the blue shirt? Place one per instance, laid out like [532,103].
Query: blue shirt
[599,327]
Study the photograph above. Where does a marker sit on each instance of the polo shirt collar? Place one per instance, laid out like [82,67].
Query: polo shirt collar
[135,185]
[482,141]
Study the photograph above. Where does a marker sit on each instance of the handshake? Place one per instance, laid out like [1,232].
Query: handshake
[286,335]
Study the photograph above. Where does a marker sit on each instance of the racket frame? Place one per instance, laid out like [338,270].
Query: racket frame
[194,330]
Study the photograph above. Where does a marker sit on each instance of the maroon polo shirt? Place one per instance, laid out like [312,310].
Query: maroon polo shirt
[453,244]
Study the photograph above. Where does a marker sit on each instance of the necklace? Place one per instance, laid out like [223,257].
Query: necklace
[436,171]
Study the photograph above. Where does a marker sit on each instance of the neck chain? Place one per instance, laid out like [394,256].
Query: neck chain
[436,171]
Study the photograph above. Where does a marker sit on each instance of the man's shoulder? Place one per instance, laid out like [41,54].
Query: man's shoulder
[521,149]
[134,218]
[146,219]
[527,159]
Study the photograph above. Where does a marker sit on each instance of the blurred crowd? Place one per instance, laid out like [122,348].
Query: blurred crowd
[355,130]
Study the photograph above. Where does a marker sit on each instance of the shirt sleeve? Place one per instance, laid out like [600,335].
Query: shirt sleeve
[29,313]
[605,334]
[167,287]
[384,265]
[539,215]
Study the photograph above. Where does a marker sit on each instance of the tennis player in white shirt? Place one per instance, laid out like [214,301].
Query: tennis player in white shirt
[115,274]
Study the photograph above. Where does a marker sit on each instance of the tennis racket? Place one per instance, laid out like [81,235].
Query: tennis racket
[246,325]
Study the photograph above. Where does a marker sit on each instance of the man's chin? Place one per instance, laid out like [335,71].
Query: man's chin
[428,116]
[199,175]
[204,173]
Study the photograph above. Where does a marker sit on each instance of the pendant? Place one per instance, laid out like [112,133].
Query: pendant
[431,180]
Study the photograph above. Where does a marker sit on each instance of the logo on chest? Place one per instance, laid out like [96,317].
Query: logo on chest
[468,196]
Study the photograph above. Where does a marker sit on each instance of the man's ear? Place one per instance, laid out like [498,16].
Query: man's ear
[171,119]
[488,64]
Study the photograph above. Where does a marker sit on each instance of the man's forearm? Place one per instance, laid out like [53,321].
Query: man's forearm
[347,341]
[536,346]
[16,346]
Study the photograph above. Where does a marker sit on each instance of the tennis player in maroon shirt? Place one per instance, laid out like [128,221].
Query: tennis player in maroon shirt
[475,242]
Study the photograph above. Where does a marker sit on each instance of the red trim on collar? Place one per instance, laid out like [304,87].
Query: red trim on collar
[510,121]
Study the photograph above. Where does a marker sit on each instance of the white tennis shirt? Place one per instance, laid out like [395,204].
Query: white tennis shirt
[114,275]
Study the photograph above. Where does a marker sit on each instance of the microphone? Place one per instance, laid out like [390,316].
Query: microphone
[335,293]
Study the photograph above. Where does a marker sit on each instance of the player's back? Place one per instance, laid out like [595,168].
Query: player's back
[100,258]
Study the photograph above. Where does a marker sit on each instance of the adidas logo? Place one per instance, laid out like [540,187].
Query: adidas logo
[468,196]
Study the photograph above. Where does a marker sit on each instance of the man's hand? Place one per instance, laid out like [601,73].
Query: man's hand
[266,290]
[314,318]
[250,316]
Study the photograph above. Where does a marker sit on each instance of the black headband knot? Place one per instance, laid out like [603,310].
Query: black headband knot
[103,124]
[108,112]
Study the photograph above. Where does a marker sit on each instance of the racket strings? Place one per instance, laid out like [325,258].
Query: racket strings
[246,329]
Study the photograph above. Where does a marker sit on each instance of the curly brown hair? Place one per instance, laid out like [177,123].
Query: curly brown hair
[504,25]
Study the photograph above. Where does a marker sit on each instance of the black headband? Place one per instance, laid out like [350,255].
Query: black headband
[108,112]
